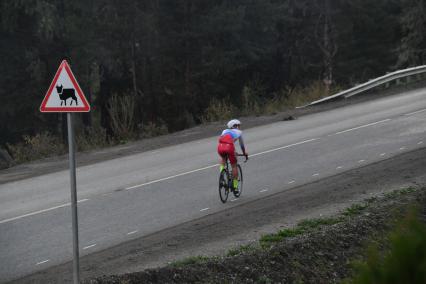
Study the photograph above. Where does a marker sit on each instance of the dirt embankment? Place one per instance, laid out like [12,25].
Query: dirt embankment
[313,252]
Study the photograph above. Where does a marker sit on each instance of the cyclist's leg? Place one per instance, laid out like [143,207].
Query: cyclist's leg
[221,150]
[233,160]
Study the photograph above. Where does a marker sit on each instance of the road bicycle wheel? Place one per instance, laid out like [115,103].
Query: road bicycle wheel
[223,186]
[238,192]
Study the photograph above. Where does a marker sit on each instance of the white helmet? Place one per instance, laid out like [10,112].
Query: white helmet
[233,122]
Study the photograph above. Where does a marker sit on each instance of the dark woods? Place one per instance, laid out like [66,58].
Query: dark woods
[162,63]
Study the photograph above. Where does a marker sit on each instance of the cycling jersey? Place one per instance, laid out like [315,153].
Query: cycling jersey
[226,143]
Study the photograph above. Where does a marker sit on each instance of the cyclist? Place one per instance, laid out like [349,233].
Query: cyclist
[226,147]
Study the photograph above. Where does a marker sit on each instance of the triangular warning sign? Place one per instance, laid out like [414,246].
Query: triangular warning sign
[64,94]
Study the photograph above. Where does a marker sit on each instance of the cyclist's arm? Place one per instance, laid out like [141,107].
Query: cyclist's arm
[241,141]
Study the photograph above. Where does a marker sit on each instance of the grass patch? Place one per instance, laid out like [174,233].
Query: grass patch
[399,192]
[355,209]
[36,147]
[241,250]
[301,228]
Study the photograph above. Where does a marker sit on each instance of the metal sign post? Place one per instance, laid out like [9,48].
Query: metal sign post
[65,95]
[76,271]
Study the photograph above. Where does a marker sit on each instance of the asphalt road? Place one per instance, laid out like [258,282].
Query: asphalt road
[130,197]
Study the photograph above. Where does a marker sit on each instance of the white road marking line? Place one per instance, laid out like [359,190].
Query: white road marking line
[44,261]
[89,247]
[315,175]
[233,200]
[132,232]
[411,113]
[154,181]
[212,166]
[339,167]
[292,181]
[263,190]
[362,126]
[361,161]
[40,211]
[204,209]
[402,148]
[170,177]
[382,154]
[284,147]
[421,142]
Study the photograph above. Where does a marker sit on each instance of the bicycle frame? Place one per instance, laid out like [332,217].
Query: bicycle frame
[228,181]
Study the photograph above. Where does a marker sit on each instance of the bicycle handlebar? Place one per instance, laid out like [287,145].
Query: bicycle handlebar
[238,154]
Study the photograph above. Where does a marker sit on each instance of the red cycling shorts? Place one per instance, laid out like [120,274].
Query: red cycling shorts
[226,147]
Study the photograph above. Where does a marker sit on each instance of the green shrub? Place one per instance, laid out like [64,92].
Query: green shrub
[301,96]
[218,110]
[404,263]
[152,129]
[92,138]
[41,145]
[289,98]
[121,110]
[251,101]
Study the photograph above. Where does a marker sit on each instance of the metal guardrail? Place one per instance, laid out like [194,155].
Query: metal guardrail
[373,83]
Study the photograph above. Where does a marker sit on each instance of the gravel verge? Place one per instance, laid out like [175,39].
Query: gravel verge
[319,254]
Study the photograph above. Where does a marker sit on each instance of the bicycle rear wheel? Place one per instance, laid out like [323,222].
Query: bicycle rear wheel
[238,192]
[223,186]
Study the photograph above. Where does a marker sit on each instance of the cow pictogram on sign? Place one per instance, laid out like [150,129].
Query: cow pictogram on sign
[64,93]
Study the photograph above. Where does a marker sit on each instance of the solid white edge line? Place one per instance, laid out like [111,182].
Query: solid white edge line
[402,148]
[170,177]
[414,112]
[339,167]
[263,190]
[44,261]
[283,147]
[132,232]
[290,182]
[215,165]
[204,209]
[40,211]
[151,182]
[315,175]
[382,154]
[361,161]
[89,247]
[362,126]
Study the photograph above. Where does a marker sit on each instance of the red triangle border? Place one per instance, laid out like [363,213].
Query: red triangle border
[84,108]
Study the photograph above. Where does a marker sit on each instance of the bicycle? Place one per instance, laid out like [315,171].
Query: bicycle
[226,180]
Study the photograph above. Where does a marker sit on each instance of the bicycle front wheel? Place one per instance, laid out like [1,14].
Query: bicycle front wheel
[223,186]
[238,192]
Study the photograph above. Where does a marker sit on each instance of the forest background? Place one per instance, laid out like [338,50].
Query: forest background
[157,66]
